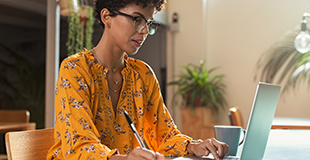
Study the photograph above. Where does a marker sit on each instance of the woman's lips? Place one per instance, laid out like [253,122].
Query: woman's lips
[137,43]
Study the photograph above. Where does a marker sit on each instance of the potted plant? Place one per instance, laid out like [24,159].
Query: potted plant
[87,21]
[80,25]
[74,42]
[202,96]
[197,87]
[68,6]
[282,63]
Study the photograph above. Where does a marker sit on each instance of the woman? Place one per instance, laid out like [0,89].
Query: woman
[95,87]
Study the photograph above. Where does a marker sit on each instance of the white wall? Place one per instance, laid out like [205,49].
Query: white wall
[237,32]
[186,45]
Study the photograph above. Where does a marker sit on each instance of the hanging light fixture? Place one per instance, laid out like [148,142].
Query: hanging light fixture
[302,40]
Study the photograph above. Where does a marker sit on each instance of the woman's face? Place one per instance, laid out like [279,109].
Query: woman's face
[123,32]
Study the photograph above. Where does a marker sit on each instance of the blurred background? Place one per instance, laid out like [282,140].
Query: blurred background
[231,35]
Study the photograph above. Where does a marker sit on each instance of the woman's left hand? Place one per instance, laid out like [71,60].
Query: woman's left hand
[204,148]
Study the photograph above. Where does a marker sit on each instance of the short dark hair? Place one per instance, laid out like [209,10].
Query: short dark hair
[115,5]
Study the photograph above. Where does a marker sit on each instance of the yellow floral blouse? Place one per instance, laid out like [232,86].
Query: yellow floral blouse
[86,125]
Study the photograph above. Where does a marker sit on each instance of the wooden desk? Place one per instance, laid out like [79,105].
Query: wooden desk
[283,144]
[16,126]
[290,123]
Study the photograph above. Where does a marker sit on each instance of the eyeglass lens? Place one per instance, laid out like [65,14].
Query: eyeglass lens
[140,24]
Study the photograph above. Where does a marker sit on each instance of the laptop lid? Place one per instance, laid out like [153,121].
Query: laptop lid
[260,121]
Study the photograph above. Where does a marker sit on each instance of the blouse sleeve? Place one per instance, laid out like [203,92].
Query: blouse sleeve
[169,140]
[74,117]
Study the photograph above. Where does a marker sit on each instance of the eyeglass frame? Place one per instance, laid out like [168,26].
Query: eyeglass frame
[134,18]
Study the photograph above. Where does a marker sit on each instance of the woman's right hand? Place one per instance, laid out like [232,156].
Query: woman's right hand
[139,153]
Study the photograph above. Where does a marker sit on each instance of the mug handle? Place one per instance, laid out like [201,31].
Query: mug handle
[243,130]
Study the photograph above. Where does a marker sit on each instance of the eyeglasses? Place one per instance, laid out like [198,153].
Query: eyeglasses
[140,22]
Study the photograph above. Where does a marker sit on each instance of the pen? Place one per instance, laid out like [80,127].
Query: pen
[133,128]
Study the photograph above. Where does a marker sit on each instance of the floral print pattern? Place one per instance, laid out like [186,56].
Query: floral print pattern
[87,126]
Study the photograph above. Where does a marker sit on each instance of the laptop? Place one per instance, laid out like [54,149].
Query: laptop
[260,121]
[259,124]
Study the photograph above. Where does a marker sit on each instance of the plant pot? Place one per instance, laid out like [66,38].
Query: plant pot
[84,13]
[198,125]
[68,6]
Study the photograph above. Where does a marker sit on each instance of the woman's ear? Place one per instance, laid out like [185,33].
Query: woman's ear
[105,17]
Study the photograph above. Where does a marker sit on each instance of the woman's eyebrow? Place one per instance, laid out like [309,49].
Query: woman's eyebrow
[143,16]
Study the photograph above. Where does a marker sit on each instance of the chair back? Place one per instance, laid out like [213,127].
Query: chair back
[32,144]
[235,117]
[14,116]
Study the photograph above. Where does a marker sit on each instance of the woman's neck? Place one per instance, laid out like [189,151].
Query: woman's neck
[109,57]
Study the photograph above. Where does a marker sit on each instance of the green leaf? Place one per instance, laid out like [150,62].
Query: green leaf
[284,61]
[197,82]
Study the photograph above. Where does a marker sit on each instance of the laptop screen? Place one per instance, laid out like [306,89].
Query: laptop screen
[260,121]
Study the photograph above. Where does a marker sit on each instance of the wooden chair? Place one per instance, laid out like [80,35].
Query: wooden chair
[32,144]
[11,116]
[235,117]
[14,116]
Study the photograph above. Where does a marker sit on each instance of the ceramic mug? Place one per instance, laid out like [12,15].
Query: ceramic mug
[231,136]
